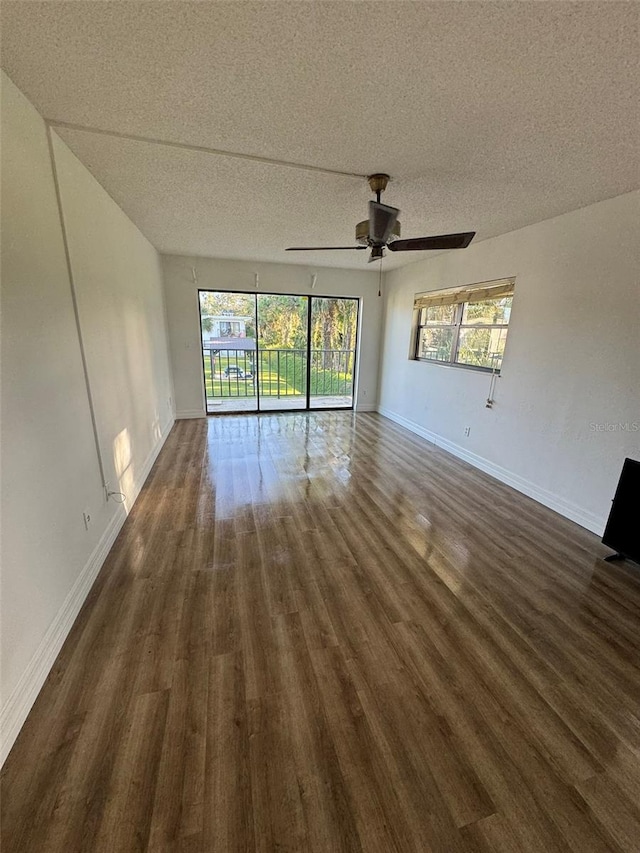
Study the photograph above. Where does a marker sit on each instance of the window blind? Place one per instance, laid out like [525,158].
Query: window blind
[470,293]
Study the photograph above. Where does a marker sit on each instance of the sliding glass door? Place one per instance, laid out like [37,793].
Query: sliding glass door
[275,352]
[334,324]
[229,351]
[282,351]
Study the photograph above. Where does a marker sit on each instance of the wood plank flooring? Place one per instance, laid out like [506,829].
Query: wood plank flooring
[321,633]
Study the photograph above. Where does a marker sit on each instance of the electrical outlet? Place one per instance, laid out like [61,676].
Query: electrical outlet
[86,517]
[467,431]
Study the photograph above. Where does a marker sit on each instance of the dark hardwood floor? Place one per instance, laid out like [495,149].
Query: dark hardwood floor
[321,633]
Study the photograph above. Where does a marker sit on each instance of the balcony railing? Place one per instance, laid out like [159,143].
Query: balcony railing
[282,373]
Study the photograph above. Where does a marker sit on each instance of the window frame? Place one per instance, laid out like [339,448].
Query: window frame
[457,326]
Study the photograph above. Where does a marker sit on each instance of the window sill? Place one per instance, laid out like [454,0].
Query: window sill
[473,367]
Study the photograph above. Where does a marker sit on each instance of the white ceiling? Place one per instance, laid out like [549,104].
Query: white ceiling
[487,115]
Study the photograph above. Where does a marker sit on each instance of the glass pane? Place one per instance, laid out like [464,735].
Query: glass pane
[282,344]
[481,347]
[438,314]
[491,312]
[334,323]
[228,324]
[435,343]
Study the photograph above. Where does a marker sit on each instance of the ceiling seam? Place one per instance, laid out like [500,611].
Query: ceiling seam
[200,149]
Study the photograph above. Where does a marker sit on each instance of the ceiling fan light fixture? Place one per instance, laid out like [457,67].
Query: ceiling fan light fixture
[395,234]
[362,232]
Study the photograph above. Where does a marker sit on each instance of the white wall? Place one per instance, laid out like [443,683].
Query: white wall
[216,274]
[50,472]
[571,367]
[121,306]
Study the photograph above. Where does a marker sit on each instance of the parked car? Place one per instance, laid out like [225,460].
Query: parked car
[232,370]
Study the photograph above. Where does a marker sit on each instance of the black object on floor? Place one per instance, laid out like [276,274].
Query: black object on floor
[622,532]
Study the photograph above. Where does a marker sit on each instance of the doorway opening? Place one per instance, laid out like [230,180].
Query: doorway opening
[272,352]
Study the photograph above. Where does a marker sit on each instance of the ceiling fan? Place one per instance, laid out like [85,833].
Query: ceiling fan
[382,231]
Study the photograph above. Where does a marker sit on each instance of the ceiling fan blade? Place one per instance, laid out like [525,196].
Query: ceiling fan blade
[444,241]
[382,218]
[323,248]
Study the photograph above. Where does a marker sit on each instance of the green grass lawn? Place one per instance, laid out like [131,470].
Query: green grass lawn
[231,386]
[290,382]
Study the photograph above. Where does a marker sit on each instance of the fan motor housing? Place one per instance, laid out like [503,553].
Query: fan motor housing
[362,232]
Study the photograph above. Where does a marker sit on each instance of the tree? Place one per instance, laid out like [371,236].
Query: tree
[282,320]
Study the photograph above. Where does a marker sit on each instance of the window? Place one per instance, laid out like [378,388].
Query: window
[466,326]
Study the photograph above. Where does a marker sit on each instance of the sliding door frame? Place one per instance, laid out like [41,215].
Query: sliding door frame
[304,408]
[309,298]
[309,327]
[350,408]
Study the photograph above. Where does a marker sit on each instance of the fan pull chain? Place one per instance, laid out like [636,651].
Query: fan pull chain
[380,280]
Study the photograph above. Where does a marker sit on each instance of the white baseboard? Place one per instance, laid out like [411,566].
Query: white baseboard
[555,502]
[412,426]
[185,414]
[366,407]
[20,702]
[16,709]
[151,458]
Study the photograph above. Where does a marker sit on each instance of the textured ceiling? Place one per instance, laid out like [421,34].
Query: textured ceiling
[487,115]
